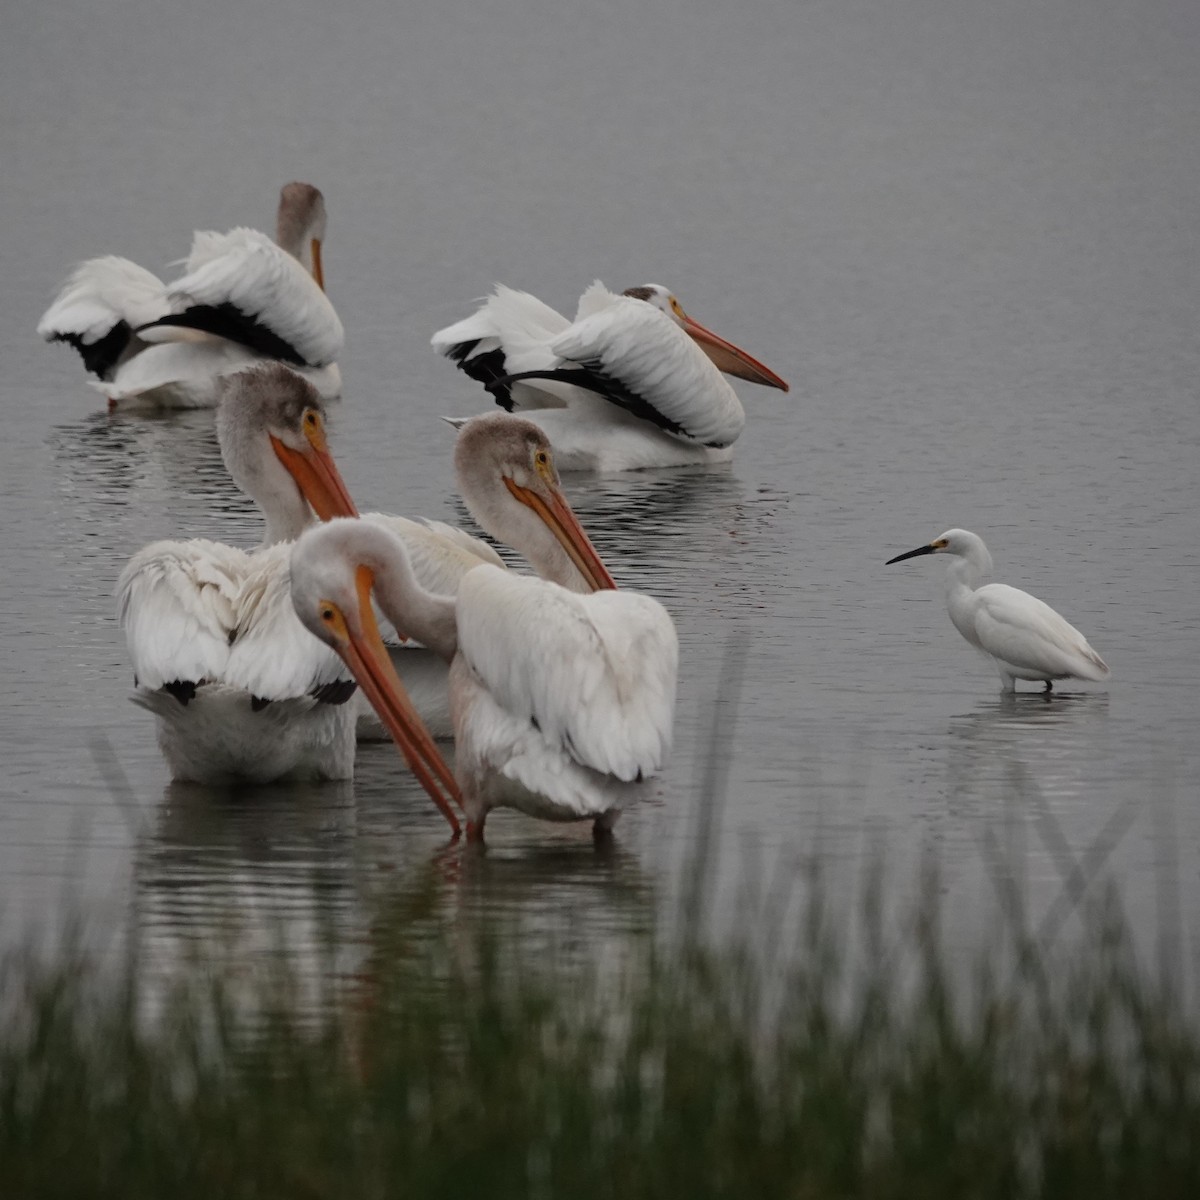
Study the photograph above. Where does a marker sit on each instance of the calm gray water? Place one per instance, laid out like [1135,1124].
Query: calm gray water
[966,231]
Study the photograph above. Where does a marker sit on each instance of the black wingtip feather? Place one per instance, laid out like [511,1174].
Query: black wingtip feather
[487,368]
[182,689]
[337,692]
[100,357]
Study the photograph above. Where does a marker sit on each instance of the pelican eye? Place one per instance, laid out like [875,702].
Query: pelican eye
[327,614]
[310,417]
[542,458]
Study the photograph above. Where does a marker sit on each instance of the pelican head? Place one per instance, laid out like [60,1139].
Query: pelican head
[507,478]
[962,543]
[725,355]
[334,570]
[271,427]
[300,226]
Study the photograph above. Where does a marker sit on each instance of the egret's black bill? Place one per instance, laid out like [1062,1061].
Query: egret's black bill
[911,554]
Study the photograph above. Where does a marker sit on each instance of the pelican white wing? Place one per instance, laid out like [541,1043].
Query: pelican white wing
[103,301]
[200,612]
[595,674]
[637,357]
[509,333]
[271,655]
[243,287]
[1028,634]
[177,602]
[440,554]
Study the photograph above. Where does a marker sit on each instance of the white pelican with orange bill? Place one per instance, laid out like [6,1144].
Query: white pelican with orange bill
[505,471]
[240,691]
[562,703]
[633,382]
[242,299]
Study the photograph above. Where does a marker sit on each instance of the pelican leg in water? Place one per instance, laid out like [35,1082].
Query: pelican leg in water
[562,703]
[634,382]
[1022,636]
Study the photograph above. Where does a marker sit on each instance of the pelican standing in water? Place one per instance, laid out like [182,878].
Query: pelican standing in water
[242,299]
[634,382]
[506,476]
[239,689]
[505,471]
[561,702]
[1023,636]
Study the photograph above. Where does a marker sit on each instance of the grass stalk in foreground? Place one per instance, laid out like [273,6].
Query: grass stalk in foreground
[456,1066]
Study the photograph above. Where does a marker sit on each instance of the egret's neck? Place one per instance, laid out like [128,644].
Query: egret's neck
[412,610]
[964,572]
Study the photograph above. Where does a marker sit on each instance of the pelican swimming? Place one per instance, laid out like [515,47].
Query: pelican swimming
[242,299]
[239,689]
[634,382]
[1024,637]
[561,702]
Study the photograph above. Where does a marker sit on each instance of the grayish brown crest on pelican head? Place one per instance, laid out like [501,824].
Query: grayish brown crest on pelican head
[507,477]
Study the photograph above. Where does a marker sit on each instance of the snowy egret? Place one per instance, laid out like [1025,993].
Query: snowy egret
[1024,637]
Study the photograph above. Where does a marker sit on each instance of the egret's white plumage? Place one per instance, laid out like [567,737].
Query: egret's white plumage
[242,299]
[1023,636]
[633,382]
[560,701]
[240,690]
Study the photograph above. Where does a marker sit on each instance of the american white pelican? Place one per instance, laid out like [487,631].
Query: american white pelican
[560,701]
[240,691]
[1024,637]
[634,382]
[505,470]
[242,299]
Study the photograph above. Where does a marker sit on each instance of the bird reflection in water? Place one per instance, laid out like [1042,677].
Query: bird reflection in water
[268,864]
[1002,743]
[126,479]
[1021,776]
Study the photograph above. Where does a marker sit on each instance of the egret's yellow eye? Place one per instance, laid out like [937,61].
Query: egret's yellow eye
[941,543]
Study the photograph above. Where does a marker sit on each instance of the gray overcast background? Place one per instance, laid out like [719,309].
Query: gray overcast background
[965,230]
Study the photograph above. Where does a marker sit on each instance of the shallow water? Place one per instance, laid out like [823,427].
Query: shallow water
[965,232]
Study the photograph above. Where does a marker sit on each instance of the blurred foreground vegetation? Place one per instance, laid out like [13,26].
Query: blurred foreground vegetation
[460,1066]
